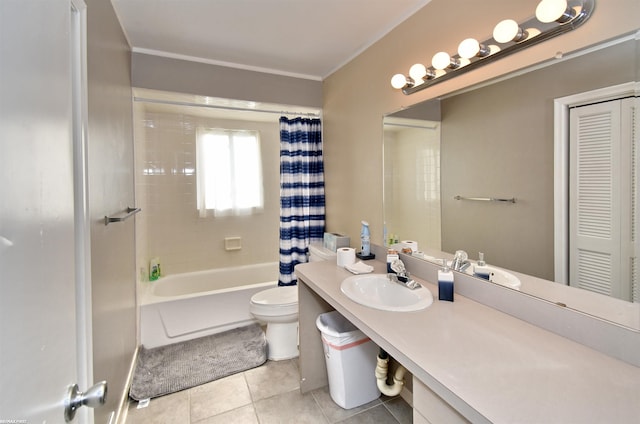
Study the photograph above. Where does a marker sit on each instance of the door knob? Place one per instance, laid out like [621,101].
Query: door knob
[95,396]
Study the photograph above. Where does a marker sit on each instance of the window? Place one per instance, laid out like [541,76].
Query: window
[229,169]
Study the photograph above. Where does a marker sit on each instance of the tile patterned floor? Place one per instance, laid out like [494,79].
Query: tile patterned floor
[264,395]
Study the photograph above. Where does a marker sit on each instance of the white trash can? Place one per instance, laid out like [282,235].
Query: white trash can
[351,361]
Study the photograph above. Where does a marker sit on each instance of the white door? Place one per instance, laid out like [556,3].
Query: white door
[43,317]
[602,198]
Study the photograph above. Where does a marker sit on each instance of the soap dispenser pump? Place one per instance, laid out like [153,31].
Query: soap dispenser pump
[445,282]
[481,269]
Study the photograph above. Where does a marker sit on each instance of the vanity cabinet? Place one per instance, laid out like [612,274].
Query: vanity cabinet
[429,408]
[541,376]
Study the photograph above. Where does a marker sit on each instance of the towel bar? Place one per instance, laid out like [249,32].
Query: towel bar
[487,199]
[123,216]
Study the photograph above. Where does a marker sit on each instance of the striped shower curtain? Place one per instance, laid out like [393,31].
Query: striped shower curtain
[302,201]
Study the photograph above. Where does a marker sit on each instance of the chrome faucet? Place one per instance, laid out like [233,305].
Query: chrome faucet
[460,261]
[401,276]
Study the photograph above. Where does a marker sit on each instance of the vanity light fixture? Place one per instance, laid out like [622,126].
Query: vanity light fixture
[552,18]
[554,11]
[399,81]
[470,47]
[442,60]
[417,71]
[509,30]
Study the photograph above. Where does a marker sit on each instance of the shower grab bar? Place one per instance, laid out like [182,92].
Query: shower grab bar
[487,199]
[127,214]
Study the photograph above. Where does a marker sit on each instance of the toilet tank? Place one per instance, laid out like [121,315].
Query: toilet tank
[317,252]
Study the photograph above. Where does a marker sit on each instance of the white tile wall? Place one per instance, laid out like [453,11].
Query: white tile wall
[412,185]
[169,225]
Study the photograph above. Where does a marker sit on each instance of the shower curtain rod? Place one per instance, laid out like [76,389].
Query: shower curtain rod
[241,109]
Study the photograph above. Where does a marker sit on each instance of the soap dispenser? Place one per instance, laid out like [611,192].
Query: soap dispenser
[480,269]
[445,282]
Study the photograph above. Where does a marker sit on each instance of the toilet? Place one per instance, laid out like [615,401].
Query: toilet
[317,252]
[278,309]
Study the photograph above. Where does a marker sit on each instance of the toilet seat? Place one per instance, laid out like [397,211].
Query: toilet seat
[277,296]
[275,302]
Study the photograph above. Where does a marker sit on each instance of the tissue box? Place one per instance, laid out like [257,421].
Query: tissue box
[334,241]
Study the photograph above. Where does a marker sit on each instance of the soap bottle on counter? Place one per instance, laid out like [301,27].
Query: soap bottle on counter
[365,239]
[445,282]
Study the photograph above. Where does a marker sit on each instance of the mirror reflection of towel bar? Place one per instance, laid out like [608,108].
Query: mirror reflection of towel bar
[126,215]
[487,199]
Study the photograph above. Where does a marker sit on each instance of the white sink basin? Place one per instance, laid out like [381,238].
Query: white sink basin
[376,291]
[500,276]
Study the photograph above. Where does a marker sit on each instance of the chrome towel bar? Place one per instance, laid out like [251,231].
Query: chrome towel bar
[487,199]
[128,213]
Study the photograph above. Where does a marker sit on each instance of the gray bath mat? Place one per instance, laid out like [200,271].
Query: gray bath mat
[167,369]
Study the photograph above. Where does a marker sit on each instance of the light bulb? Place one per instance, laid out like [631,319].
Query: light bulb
[441,60]
[417,72]
[554,10]
[468,48]
[533,32]
[508,30]
[398,81]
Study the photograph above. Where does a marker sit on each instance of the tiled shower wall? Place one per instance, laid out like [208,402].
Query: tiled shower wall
[412,185]
[169,226]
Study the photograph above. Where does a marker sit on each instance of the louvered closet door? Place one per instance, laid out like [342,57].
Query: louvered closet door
[601,198]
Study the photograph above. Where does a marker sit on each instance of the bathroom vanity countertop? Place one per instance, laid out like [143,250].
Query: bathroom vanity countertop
[490,366]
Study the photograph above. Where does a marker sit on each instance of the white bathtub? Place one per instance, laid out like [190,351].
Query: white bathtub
[186,306]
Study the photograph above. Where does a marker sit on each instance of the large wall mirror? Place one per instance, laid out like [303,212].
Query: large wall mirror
[446,157]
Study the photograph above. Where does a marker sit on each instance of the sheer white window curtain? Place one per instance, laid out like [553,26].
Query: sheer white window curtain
[229,172]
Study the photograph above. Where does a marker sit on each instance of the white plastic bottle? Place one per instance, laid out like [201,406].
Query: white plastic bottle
[365,239]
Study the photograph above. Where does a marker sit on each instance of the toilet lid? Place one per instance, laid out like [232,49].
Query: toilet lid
[287,295]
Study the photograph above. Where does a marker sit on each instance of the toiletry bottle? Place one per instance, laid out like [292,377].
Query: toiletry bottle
[154,269]
[445,282]
[365,239]
[481,269]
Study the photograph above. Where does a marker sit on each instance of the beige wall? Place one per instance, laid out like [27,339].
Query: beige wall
[170,227]
[110,145]
[359,94]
